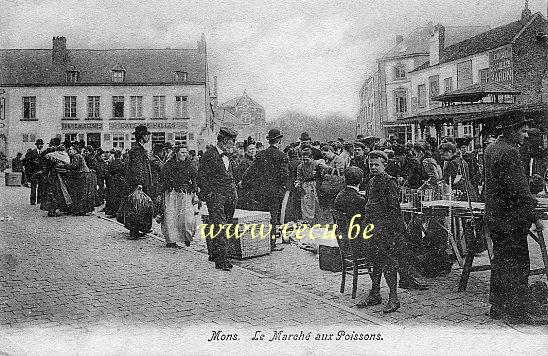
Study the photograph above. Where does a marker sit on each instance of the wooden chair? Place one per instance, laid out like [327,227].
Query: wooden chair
[353,261]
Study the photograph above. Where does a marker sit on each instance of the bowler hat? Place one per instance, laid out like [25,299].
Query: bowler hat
[56,141]
[274,134]
[141,130]
[228,132]
[513,118]
[39,142]
[305,137]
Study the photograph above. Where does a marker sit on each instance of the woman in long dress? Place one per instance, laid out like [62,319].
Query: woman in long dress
[179,189]
[82,184]
[245,198]
[115,174]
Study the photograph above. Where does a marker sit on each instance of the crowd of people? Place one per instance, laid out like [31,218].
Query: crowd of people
[307,181]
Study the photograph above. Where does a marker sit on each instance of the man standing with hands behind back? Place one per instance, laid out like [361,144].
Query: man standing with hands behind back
[509,213]
[218,189]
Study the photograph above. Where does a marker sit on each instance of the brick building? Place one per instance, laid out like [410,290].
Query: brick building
[244,115]
[101,95]
[463,85]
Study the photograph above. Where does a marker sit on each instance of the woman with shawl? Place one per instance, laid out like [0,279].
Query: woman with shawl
[82,184]
[179,189]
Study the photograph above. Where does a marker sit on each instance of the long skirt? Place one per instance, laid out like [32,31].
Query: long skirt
[114,194]
[293,209]
[310,206]
[83,190]
[179,222]
[55,193]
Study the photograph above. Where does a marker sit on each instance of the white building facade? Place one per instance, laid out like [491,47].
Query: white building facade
[99,96]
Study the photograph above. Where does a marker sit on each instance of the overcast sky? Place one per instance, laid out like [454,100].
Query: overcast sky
[305,55]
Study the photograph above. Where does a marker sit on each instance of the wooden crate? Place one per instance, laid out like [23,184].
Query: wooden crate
[330,258]
[13,179]
[246,246]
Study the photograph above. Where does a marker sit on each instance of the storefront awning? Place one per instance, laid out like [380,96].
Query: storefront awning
[467,113]
[476,92]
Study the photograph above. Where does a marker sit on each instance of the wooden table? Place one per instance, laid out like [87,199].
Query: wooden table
[461,209]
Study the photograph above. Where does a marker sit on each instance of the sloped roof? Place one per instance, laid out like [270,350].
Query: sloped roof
[485,41]
[418,41]
[235,102]
[464,112]
[150,66]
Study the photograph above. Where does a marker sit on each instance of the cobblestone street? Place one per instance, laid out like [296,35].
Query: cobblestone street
[75,284]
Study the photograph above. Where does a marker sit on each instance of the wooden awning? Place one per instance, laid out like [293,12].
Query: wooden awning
[476,92]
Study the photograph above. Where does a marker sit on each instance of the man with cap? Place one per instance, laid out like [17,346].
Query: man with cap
[509,214]
[267,178]
[32,163]
[138,172]
[360,160]
[306,141]
[218,189]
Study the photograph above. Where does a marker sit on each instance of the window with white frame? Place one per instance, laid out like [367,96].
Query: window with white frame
[246,118]
[181,138]
[448,84]
[467,130]
[421,90]
[93,107]
[181,76]
[29,108]
[118,76]
[118,141]
[181,110]
[70,107]
[399,71]
[158,137]
[484,76]
[400,97]
[136,107]
[73,76]
[71,137]
[159,107]
[118,107]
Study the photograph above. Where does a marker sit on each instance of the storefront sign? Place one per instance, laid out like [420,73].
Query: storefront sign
[500,65]
[464,74]
[113,126]
[88,126]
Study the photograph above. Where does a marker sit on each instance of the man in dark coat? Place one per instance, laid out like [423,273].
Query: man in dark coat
[306,141]
[509,213]
[138,170]
[267,178]
[218,189]
[32,163]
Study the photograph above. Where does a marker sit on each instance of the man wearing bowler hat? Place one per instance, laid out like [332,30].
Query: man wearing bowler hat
[32,163]
[509,213]
[306,140]
[267,179]
[138,171]
[218,189]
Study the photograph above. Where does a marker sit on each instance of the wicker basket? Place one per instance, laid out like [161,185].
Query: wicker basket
[246,246]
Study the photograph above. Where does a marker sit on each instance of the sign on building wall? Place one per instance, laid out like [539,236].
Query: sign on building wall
[500,65]
[464,74]
[150,125]
[95,126]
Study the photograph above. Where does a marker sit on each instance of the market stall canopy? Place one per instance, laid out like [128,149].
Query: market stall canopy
[476,92]
[484,113]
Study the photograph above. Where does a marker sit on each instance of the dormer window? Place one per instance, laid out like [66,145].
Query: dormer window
[181,76]
[118,74]
[73,76]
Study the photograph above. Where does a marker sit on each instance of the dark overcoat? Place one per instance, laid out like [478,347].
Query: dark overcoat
[269,173]
[138,171]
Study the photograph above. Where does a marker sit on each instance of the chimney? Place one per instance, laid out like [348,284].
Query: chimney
[430,27]
[399,39]
[202,44]
[59,54]
[437,44]
[526,13]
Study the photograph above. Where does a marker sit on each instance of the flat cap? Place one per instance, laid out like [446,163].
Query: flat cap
[378,154]
[227,132]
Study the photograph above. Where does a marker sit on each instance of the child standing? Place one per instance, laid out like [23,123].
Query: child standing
[384,212]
